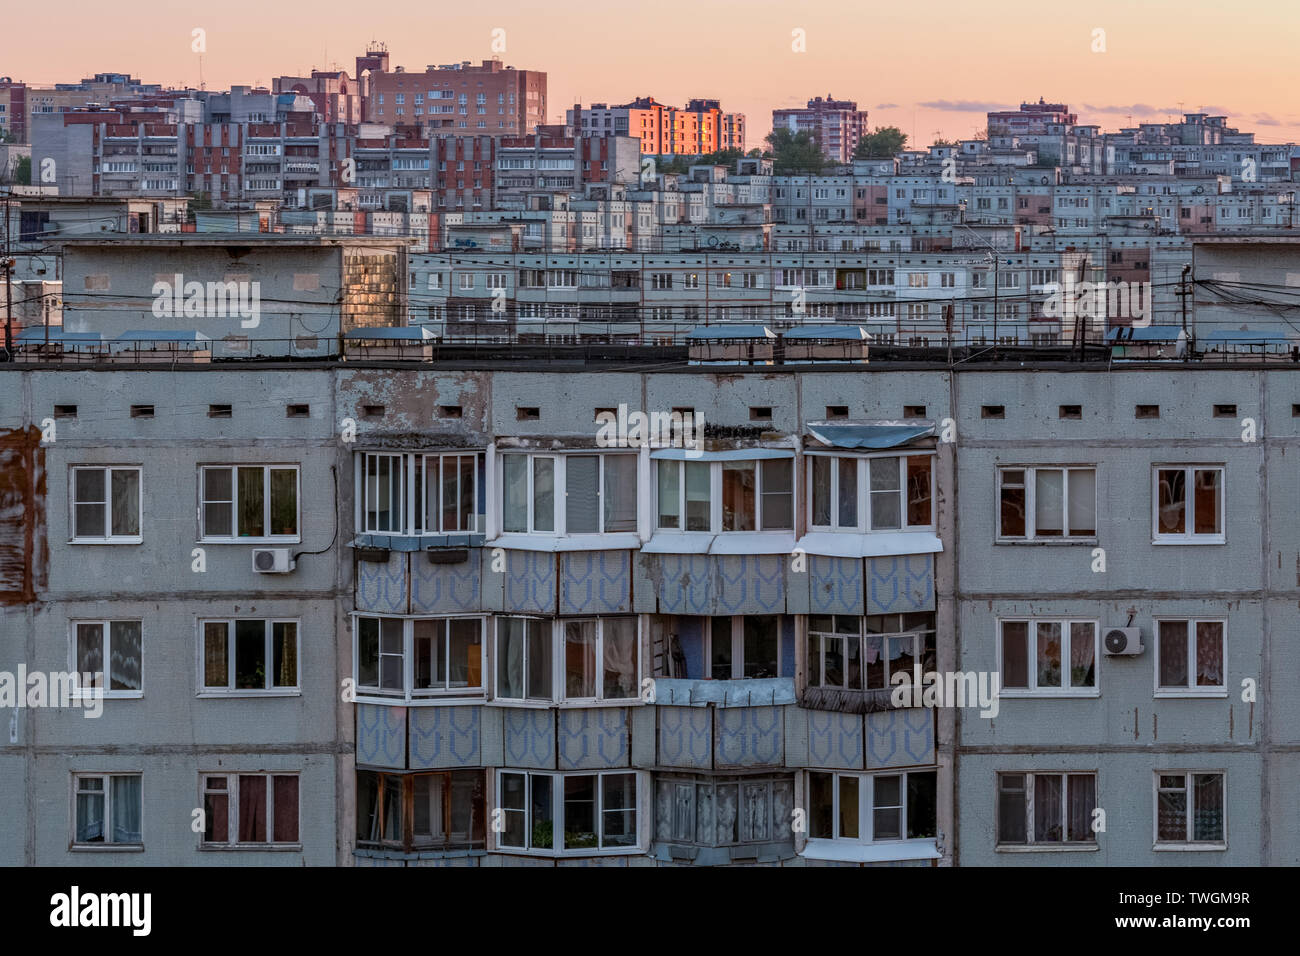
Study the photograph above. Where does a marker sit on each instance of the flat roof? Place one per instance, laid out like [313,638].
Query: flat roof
[181,239]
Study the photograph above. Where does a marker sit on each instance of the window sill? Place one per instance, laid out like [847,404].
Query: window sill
[250,847]
[1048,848]
[849,851]
[1046,542]
[1188,847]
[98,542]
[569,854]
[258,542]
[108,695]
[1208,539]
[107,848]
[448,701]
[1218,693]
[1048,695]
[870,544]
[612,541]
[219,694]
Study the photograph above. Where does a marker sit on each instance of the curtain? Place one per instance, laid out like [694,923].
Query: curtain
[516,492]
[1083,502]
[620,492]
[126,793]
[284,647]
[126,501]
[580,658]
[252,809]
[285,800]
[1049,499]
[1048,810]
[620,659]
[124,646]
[1209,654]
[90,812]
[1083,799]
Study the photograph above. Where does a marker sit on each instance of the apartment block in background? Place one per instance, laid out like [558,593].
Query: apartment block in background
[835,125]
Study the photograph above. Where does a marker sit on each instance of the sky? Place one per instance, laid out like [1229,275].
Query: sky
[931,68]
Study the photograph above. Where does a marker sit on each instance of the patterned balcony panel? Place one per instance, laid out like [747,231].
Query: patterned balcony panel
[835,585]
[446,588]
[383,588]
[685,737]
[593,738]
[529,738]
[835,741]
[443,737]
[900,584]
[900,738]
[381,736]
[529,582]
[749,737]
[596,582]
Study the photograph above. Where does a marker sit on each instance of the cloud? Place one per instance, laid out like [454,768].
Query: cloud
[887,106]
[962,106]
[1264,119]
[1137,109]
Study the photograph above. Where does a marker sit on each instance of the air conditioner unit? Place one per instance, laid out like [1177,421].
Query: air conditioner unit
[272,561]
[1123,640]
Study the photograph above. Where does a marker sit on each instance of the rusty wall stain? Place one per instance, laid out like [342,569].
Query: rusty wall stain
[22,515]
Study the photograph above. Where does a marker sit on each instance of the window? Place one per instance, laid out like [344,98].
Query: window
[888,493]
[248,656]
[116,642]
[559,814]
[753,495]
[442,496]
[1190,658]
[1048,657]
[744,647]
[872,808]
[108,809]
[1194,517]
[419,657]
[723,811]
[597,492]
[248,501]
[1046,809]
[1190,809]
[523,658]
[856,653]
[250,809]
[106,504]
[465,281]
[1047,503]
[421,811]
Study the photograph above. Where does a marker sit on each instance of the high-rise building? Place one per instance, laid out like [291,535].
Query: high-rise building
[836,125]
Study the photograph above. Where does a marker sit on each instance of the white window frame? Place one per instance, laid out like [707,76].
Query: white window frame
[1190,813]
[234,537]
[918,652]
[232,810]
[465,281]
[560,492]
[556,636]
[715,495]
[100,681]
[1031,504]
[1066,689]
[738,645]
[867,807]
[864,525]
[1192,689]
[1030,844]
[557,813]
[409,693]
[268,650]
[106,843]
[1189,503]
[416,519]
[74,537]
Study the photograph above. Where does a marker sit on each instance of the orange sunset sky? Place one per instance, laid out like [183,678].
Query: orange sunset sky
[927,67]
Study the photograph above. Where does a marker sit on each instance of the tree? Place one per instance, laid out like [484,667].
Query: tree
[23,171]
[680,164]
[883,142]
[795,153]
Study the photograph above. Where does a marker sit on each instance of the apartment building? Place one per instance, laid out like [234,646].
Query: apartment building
[835,125]
[487,100]
[487,635]
[13,109]
[698,128]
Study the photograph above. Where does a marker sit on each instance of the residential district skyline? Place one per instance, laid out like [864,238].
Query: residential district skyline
[931,71]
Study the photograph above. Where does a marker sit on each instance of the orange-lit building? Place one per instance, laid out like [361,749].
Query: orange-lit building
[701,127]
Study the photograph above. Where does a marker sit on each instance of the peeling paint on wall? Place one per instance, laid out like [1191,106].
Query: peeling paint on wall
[22,515]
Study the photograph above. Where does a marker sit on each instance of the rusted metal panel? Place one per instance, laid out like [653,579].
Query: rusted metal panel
[23,556]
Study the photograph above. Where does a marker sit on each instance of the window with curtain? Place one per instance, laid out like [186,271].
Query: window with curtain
[109,809]
[249,655]
[723,811]
[105,503]
[1051,657]
[119,644]
[248,501]
[1046,809]
[1044,502]
[1190,656]
[1188,504]
[250,809]
[1191,808]
[872,808]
